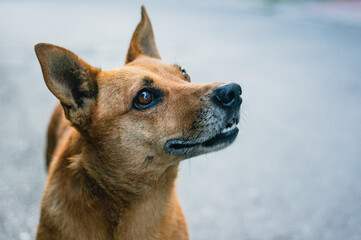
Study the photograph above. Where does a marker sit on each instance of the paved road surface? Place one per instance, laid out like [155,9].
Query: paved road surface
[293,173]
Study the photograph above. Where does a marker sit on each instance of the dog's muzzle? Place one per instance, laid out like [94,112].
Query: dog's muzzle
[220,130]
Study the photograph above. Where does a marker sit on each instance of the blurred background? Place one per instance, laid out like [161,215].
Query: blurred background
[294,171]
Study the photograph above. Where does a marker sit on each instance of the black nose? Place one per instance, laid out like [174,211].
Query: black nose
[228,95]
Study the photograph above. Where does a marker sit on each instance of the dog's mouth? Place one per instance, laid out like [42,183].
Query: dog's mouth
[191,148]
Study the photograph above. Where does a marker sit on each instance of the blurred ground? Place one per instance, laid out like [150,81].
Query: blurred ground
[293,173]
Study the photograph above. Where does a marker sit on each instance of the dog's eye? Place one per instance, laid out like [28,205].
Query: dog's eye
[185,75]
[146,98]
[184,72]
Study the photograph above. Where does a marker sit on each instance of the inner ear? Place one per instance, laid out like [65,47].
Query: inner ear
[74,78]
[143,42]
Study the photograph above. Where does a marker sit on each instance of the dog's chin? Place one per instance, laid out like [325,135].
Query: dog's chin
[192,148]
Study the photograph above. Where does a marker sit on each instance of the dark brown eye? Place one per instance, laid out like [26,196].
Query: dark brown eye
[144,98]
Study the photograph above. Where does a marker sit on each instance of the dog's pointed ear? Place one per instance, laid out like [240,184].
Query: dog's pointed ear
[143,42]
[70,79]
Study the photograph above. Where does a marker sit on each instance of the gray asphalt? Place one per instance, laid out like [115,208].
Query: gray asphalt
[294,171]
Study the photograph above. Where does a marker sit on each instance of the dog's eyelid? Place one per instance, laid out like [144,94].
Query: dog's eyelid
[153,90]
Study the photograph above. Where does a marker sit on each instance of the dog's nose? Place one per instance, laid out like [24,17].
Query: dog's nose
[228,95]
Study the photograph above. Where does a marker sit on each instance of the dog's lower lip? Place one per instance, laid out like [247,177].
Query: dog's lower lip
[220,138]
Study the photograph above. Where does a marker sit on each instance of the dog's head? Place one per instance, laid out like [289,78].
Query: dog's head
[146,110]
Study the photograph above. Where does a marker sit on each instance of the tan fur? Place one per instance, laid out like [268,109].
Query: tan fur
[109,176]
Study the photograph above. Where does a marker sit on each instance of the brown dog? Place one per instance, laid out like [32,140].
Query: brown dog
[117,138]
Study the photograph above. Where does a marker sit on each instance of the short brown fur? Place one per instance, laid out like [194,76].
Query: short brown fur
[109,176]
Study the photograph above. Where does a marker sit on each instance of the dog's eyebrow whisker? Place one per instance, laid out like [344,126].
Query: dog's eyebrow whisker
[147,81]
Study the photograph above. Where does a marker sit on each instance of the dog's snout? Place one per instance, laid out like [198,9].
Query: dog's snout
[228,95]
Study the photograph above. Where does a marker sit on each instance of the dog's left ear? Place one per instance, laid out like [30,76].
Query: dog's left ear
[143,42]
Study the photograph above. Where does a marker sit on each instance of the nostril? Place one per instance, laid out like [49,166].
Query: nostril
[218,98]
[231,96]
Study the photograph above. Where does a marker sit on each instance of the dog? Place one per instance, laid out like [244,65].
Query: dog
[117,137]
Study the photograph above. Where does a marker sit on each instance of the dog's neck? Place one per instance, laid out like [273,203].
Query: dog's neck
[126,201]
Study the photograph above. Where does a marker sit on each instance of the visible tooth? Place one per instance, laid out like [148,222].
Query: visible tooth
[227,129]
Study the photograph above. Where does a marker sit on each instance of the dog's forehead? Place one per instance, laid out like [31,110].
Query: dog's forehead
[157,68]
[142,72]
